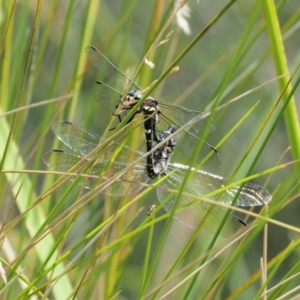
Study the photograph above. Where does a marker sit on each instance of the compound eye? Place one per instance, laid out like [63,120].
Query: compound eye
[131,93]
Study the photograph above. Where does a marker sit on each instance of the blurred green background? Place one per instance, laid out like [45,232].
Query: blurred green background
[43,57]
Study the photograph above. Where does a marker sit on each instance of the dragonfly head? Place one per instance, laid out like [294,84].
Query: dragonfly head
[131,99]
[134,94]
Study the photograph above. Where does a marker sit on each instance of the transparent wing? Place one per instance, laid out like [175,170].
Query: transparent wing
[83,142]
[187,144]
[108,97]
[198,212]
[178,116]
[75,137]
[202,183]
[109,162]
[114,77]
[187,140]
[128,183]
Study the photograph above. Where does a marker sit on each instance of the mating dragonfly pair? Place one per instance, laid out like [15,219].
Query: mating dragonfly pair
[160,121]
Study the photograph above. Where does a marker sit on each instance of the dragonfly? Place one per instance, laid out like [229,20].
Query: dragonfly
[200,183]
[119,94]
[190,212]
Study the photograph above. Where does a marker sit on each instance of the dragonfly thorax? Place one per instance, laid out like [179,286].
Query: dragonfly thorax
[163,135]
[150,106]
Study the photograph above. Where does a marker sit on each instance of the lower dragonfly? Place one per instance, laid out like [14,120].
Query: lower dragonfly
[157,162]
[200,183]
[112,95]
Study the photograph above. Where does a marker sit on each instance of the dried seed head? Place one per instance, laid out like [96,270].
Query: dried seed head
[175,69]
[162,42]
[149,63]
[182,16]
[169,34]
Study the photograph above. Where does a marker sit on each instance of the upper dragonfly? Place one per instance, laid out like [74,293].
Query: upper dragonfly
[201,183]
[110,94]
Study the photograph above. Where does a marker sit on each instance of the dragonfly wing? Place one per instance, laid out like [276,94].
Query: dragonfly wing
[110,73]
[59,160]
[187,140]
[112,160]
[127,183]
[75,137]
[107,97]
[179,116]
[208,155]
[197,211]
[250,195]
